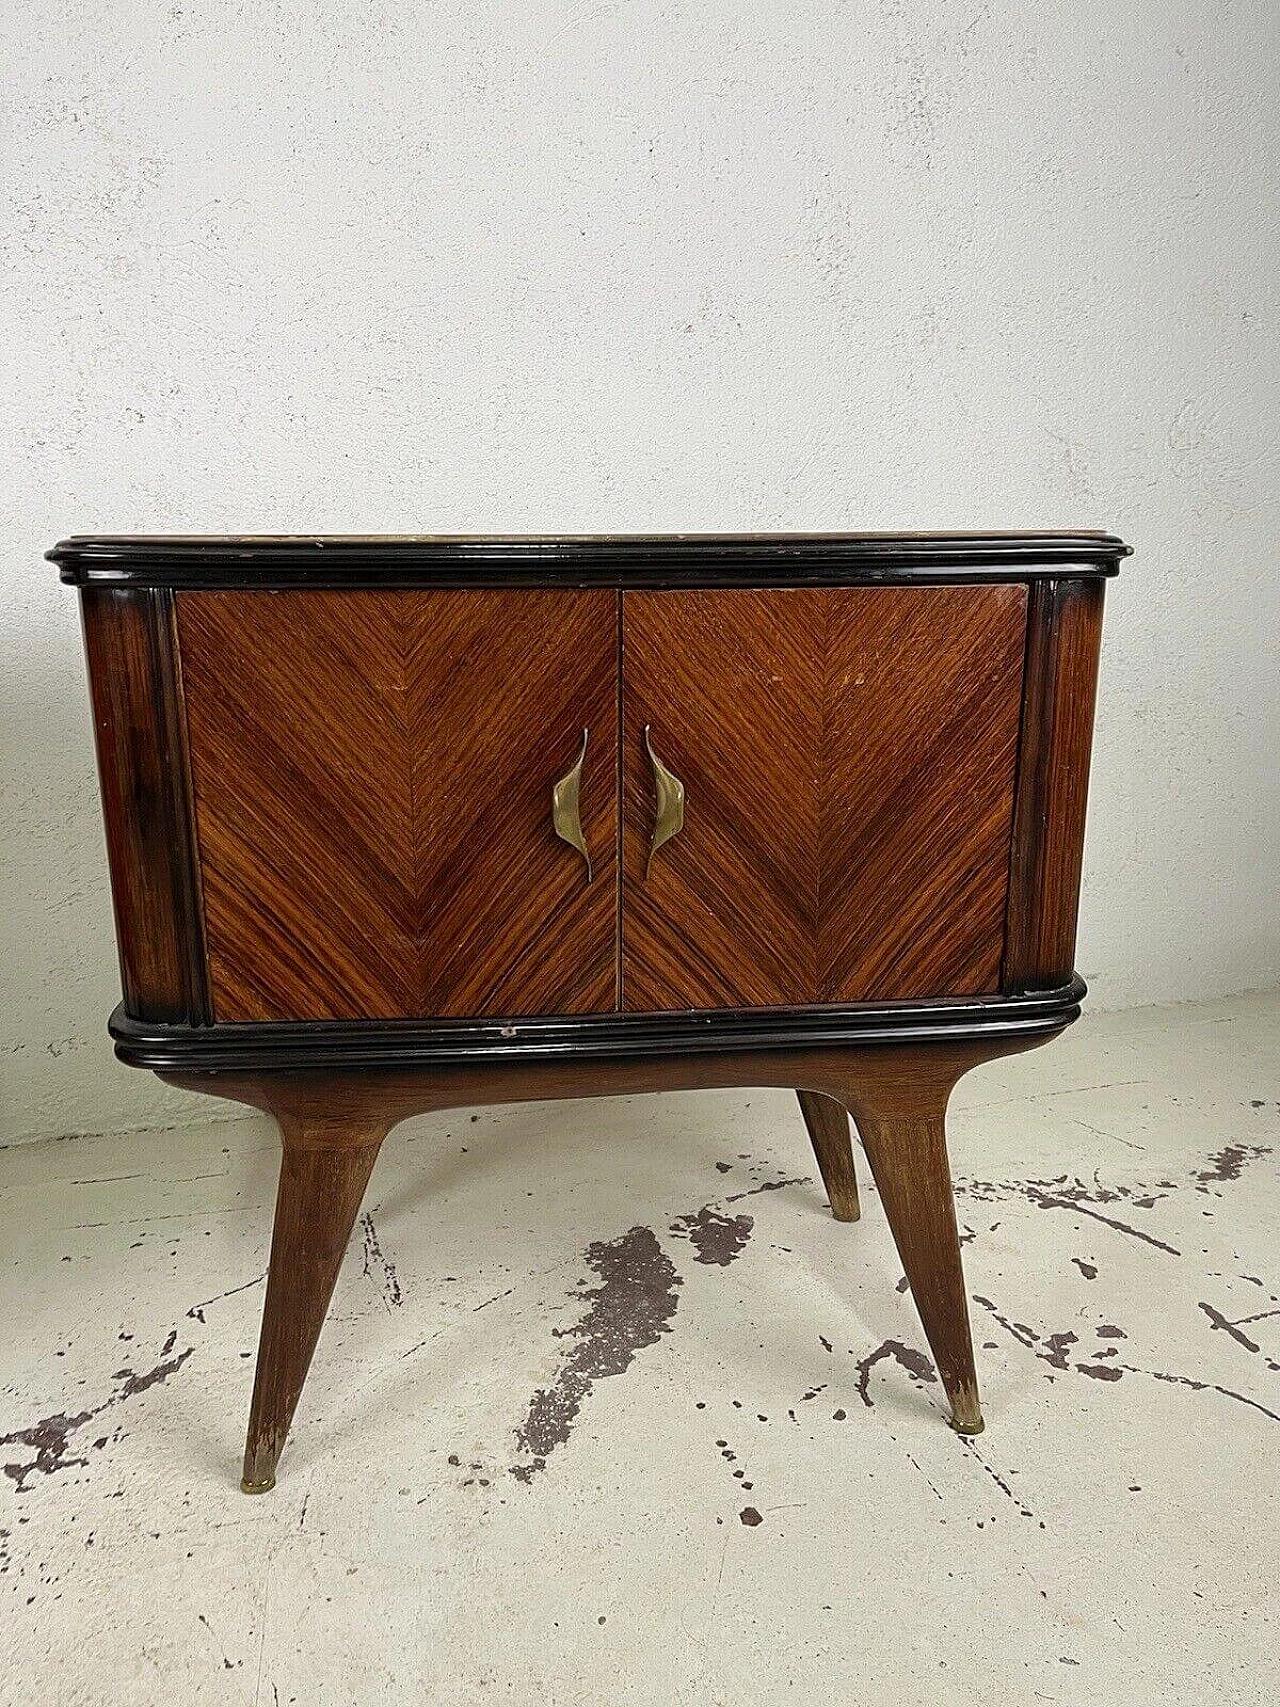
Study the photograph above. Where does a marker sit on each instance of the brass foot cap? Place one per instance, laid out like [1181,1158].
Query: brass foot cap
[265,1487]
[967,1428]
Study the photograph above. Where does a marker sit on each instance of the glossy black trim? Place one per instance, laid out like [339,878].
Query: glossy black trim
[440,1043]
[637,560]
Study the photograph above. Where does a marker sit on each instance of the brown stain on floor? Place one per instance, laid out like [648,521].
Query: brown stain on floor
[1082,1197]
[716,1238]
[907,1357]
[378,1267]
[631,1308]
[1229,1162]
[50,1438]
[636,1300]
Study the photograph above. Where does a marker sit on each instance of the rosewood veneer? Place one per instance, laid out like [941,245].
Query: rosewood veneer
[400,824]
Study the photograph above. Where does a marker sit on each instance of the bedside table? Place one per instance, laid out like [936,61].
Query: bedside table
[405,824]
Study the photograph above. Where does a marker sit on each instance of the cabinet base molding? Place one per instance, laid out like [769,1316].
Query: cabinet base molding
[431,1043]
[332,1124]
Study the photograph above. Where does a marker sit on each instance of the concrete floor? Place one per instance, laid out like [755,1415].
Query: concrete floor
[569,1440]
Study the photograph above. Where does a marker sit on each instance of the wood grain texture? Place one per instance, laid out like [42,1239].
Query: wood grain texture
[731,684]
[827,1123]
[1063,639]
[900,1109]
[849,758]
[135,691]
[332,1124]
[324,1169]
[372,776]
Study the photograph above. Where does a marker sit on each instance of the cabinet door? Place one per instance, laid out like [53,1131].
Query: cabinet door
[847,757]
[373,777]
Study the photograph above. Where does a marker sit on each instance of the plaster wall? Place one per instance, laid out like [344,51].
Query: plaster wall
[284,266]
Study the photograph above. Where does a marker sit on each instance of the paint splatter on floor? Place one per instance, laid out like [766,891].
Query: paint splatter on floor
[378,1267]
[51,1437]
[915,1362]
[716,1238]
[630,1309]
[1130,1397]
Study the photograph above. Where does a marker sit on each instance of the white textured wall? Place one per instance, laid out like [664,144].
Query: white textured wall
[557,267]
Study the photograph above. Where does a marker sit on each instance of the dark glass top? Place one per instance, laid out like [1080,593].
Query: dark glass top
[283,560]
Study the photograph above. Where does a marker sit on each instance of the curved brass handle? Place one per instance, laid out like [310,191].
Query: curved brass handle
[566,816]
[669,817]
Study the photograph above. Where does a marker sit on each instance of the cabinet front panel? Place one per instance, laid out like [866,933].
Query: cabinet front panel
[848,760]
[372,774]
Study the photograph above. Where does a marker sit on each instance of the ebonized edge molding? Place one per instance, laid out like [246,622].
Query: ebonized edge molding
[341,1044]
[670,560]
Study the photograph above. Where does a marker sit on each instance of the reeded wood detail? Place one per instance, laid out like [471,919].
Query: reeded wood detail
[136,694]
[1064,636]
[372,775]
[849,758]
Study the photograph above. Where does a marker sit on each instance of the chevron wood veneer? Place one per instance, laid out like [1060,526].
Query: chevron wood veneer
[371,776]
[849,756]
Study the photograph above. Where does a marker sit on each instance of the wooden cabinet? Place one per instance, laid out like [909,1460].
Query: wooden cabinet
[406,823]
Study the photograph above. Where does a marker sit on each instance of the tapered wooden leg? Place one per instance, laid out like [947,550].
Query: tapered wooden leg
[901,1120]
[828,1123]
[324,1170]
[334,1122]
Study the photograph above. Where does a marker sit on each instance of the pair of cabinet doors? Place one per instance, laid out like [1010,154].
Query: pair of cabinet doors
[373,775]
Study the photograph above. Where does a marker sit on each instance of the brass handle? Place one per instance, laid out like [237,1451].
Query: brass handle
[566,815]
[669,818]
